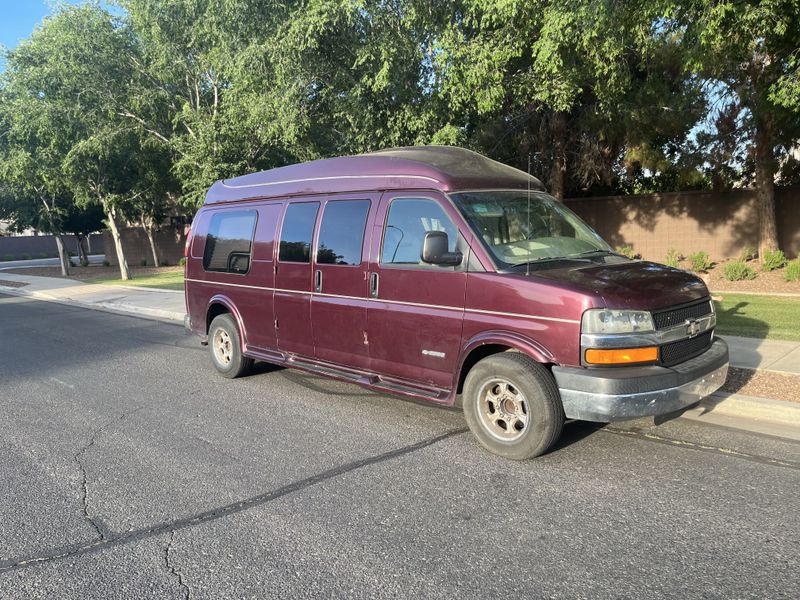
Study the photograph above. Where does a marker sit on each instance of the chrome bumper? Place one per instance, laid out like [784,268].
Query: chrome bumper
[606,395]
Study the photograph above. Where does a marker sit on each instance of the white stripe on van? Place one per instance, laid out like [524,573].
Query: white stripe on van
[398,302]
[254,185]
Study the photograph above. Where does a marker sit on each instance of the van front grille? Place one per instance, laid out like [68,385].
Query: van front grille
[675,316]
[676,352]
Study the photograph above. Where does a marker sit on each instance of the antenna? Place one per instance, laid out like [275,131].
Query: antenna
[528,233]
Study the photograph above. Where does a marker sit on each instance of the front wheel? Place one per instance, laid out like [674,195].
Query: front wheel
[226,348]
[512,406]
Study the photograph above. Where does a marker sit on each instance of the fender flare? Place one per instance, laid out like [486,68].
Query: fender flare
[521,343]
[228,303]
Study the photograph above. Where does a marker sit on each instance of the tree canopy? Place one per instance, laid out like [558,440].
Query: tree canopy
[139,109]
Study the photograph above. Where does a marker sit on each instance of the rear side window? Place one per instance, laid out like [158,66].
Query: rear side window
[229,241]
[341,234]
[298,228]
[408,221]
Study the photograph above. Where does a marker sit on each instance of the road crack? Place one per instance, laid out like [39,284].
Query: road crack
[112,540]
[97,523]
[177,573]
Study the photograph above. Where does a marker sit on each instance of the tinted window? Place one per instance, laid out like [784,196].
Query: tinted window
[298,228]
[342,232]
[408,220]
[229,241]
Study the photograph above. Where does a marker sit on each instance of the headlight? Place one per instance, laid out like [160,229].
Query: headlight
[603,320]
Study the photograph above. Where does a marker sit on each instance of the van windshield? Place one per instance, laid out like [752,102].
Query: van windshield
[517,231]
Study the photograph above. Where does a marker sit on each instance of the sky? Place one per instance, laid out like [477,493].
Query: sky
[18,18]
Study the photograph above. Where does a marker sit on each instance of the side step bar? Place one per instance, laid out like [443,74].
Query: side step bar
[371,380]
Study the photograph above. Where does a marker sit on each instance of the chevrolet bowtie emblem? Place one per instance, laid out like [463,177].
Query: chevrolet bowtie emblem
[692,327]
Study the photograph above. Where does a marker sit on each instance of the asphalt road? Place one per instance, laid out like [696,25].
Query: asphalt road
[131,470]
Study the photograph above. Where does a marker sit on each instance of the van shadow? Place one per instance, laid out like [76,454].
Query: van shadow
[573,432]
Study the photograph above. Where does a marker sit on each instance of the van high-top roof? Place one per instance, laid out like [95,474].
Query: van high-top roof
[445,168]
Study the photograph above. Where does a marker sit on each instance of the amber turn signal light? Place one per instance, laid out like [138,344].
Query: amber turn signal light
[621,356]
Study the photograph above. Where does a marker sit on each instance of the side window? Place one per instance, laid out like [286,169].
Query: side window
[230,241]
[341,234]
[297,231]
[406,224]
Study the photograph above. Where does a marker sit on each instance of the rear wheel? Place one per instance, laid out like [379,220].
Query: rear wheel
[226,347]
[512,406]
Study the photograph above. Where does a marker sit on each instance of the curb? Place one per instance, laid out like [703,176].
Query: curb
[135,288]
[751,407]
[758,415]
[111,307]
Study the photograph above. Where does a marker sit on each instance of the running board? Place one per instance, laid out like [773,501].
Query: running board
[371,380]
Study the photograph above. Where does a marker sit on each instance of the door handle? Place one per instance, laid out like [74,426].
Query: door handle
[373,285]
[317,280]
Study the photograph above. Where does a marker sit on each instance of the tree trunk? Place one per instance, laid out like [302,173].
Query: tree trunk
[147,225]
[559,170]
[124,272]
[62,256]
[765,190]
[83,257]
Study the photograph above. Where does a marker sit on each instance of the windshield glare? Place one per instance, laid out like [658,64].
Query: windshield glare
[517,231]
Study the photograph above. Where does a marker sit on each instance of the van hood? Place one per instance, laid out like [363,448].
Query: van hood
[629,284]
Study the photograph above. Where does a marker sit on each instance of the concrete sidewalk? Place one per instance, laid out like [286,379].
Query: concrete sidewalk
[165,305]
[749,353]
[769,355]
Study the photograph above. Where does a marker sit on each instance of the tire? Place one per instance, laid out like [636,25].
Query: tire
[512,406]
[226,348]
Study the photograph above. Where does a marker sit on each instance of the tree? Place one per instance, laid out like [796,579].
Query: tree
[576,86]
[75,73]
[158,189]
[748,52]
[36,192]
[362,76]
[207,90]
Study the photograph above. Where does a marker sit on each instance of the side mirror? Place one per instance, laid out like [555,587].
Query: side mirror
[434,250]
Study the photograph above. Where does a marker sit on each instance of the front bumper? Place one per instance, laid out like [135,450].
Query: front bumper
[616,394]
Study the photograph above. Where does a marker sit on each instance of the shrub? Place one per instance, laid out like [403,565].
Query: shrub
[182,261]
[84,262]
[748,253]
[738,271]
[700,261]
[773,260]
[628,251]
[41,255]
[106,263]
[25,256]
[792,272]
[143,262]
[8,257]
[673,258]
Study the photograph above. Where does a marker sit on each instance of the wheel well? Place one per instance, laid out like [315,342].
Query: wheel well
[214,311]
[476,355]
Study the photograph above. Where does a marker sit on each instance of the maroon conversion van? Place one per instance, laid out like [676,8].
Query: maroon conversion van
[437,273]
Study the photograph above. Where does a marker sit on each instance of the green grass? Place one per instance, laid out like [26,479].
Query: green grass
[172,280]
[773,317]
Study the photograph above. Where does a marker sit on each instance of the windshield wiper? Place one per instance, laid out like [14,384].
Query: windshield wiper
[590,252]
